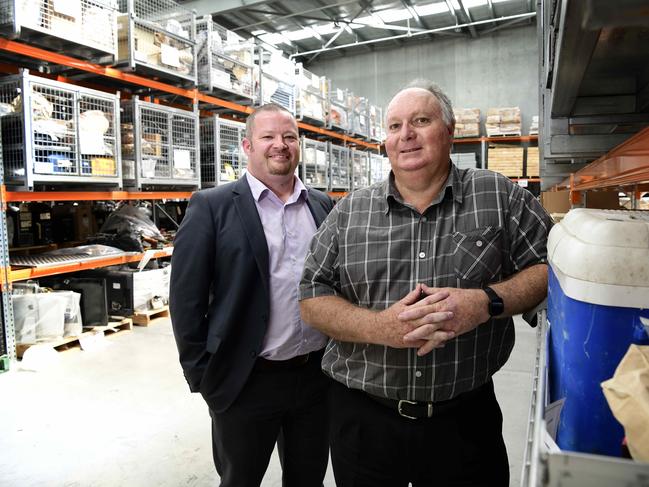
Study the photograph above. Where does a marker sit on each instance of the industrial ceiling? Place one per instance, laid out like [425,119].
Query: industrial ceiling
[308,29]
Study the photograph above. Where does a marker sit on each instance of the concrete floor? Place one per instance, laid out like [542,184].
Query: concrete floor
[120,415]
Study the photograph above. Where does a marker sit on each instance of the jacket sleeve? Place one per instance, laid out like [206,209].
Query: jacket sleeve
[192,274]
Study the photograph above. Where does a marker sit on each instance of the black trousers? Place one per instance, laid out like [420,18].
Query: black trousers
[289,404]
[373,446]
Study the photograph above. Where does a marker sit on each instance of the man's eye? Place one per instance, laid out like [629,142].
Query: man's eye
[393,126]
[418,122]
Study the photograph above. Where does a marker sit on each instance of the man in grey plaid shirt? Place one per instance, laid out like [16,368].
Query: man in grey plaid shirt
[416,279]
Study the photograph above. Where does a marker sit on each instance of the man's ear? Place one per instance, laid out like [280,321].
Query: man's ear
[246,145]
[451,129]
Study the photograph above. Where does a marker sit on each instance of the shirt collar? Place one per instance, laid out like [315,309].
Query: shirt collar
[259,190]
[452,187]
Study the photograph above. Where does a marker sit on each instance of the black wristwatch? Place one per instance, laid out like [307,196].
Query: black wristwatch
[496,304]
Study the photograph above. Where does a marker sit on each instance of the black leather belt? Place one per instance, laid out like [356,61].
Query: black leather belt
[423,410]
[291,363]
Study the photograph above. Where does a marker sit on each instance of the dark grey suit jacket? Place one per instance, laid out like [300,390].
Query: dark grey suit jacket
[219,295]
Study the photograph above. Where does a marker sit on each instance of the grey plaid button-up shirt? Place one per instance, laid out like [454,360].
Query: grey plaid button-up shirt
[373,249]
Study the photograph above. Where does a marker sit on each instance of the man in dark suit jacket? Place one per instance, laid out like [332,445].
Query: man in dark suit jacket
[237,262]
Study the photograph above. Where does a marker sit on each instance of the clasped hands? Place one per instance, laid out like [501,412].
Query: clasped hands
[426,318]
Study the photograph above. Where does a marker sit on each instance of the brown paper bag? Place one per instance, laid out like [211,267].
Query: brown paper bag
[627,394]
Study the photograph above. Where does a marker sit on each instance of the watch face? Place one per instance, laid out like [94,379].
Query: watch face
[496,308]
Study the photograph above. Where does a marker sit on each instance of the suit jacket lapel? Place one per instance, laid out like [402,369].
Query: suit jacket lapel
[318,212]
[247,211]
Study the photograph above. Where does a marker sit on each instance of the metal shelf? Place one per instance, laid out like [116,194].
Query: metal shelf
[192,94]
[35,273]
[29,196]
[593,81]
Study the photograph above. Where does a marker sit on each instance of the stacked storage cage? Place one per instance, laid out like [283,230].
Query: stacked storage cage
[56,133]
[85,28]
[159,146]
[360,163]
[156,37]
[311,103]
[379,168]
[222,157]
[360,125]
[377,130]
[225,61]
[338,109]
[339,173]
[315,163]
[275,77]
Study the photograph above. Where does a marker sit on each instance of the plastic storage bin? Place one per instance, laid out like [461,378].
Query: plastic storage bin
[598,293]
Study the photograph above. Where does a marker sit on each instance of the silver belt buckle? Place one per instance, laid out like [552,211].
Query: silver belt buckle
[401,401]
[429,409]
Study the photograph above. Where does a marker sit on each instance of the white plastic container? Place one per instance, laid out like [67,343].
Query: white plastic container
[597,300]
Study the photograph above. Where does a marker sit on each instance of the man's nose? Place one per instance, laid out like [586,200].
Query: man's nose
[406,132]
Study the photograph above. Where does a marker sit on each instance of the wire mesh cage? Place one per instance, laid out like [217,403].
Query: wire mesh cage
[222,157]
[338,109]
[156,37]
[339,172]
[378,166]
[311,104]
[359,121]
[275,78]
[159,146]
[315,163]
[83,28]
[58,133]
[376,127]
[225,60]
[360,163]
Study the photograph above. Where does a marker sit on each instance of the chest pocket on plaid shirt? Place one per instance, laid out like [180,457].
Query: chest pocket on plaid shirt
[478,255]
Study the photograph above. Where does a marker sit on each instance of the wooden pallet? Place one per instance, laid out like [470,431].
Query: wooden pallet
[146,318]
[66,343]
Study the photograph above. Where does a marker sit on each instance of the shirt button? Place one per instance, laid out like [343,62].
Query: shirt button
[253,354]
[418,373]
[422,255]
[479,243]
[424,218]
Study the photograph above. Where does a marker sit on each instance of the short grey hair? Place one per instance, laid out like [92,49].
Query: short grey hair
[443,99]
[268,107]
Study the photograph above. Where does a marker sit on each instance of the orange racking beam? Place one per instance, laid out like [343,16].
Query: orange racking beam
[17,196]
[36,272]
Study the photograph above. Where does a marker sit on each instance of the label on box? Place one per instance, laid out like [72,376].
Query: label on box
[43,168]
[182,159]
[169,56]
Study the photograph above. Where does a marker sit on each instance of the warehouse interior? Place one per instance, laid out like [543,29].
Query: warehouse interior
[114,112]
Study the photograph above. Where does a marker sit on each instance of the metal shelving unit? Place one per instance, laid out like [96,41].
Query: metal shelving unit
[546,466]
[225,61]
[339,168]
[592,86]
[84,28]
[275,77]
[360,165]
[314,163]
[159,146]
[57,133]
[32,54]
[311,104]
[156,38]
[222,157]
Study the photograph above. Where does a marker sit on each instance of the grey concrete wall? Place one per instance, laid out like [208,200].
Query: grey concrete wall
[497,70]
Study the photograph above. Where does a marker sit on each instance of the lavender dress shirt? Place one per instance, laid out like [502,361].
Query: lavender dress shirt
[288,228]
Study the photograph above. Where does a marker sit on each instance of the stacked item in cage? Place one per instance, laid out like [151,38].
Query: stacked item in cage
[503,121]
[534,127]
[225,60]
[84,28]
[157,37]
[54,132]
[467,122]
